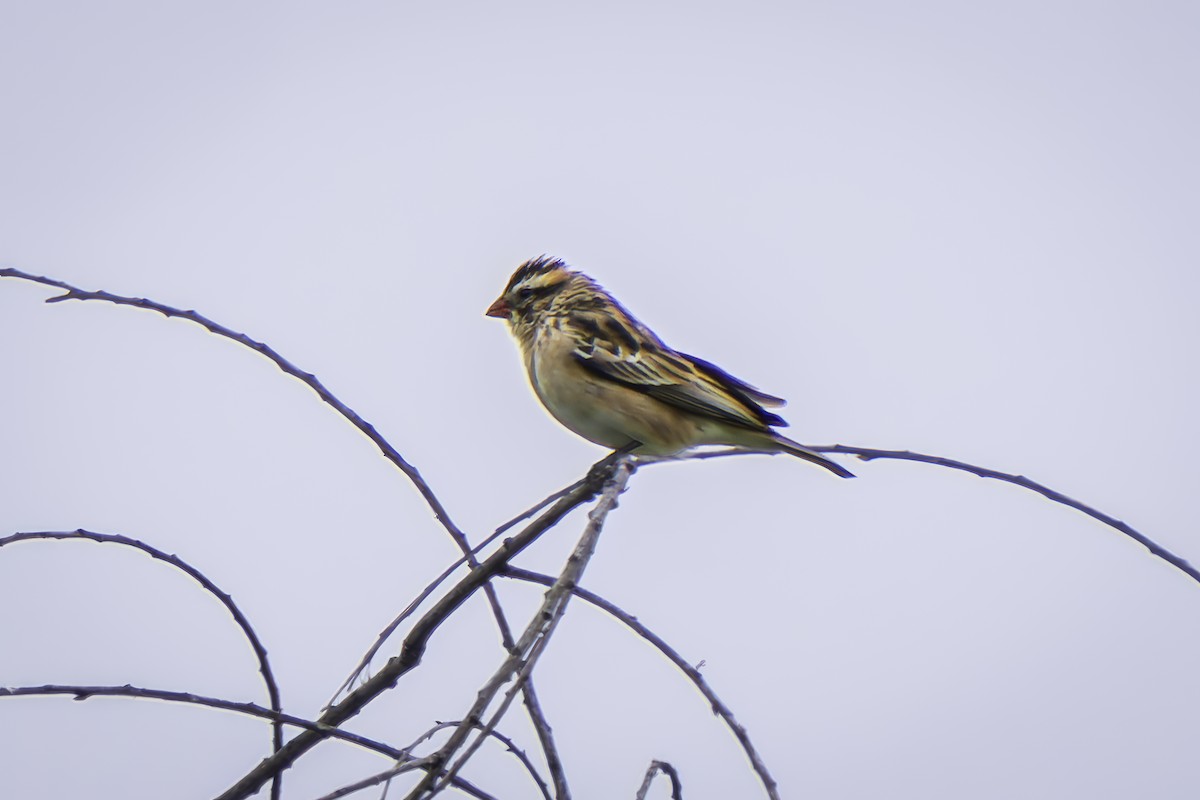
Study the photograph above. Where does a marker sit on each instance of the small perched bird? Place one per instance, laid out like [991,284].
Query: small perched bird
[611,380]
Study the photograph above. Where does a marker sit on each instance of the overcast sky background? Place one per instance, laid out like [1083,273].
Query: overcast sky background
[968,229]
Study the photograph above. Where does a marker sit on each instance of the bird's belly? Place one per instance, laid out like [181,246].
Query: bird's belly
[613,415]
[586,408]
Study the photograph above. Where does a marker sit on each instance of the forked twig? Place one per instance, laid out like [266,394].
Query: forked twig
[508,743]
[652,772]
[520,663]
[414,643]
[392,626]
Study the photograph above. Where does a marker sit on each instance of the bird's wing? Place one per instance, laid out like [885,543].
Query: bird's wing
[609,350]
[752,392]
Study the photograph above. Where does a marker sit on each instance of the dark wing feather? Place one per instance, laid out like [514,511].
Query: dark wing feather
[752,393]
[691,384]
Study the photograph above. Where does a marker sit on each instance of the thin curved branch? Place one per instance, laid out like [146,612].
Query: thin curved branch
[249,709]
[260,652]
[508,743]
[416,640]
[265,350]
[719,708]
[383,777]
[520,682]
[652,772]
[868,454]
[378,778]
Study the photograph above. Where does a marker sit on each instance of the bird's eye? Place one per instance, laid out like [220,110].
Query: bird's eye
[525,293]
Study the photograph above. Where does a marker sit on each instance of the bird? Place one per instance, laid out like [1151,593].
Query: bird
[610,379]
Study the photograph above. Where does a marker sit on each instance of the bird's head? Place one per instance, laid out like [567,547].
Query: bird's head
[532,290]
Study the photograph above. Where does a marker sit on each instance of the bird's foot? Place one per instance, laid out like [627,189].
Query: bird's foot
[602,470]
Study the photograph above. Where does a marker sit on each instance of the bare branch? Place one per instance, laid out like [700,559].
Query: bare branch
[545,734]
[249,709]
[520,681]
[392,626]
[378,778]
[652,772]
[414,644]
[260,652]
[388,774]
[390,453]
[868,454]
[384,777]
[307,378]
[541,726]
[508,743]
[533,641]
[719,708]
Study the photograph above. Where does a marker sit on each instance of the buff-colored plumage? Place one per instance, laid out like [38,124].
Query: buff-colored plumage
[610,379]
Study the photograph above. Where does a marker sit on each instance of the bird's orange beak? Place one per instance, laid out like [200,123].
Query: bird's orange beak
[498,309]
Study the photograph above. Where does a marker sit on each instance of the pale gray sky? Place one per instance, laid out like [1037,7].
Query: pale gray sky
[965,229]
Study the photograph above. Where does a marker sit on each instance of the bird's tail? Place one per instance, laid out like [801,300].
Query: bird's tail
[800,451]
